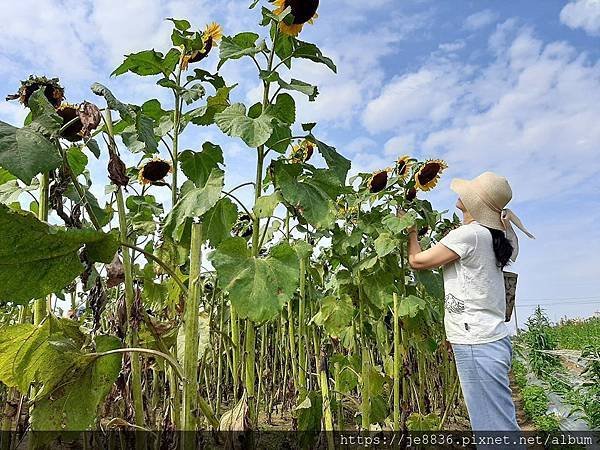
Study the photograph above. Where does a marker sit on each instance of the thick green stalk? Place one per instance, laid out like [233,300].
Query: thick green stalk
[327,416]
[302,339]
[292,346]
[131,337]
[190,355]
[397,363]
[42,306]
[220,353]
[366,388]
[338,397]
[176,131]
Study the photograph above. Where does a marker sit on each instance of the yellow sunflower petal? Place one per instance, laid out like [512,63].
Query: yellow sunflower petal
[427,176]
[214,31]
[291,30]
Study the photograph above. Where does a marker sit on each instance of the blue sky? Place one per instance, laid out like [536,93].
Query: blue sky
[512,87]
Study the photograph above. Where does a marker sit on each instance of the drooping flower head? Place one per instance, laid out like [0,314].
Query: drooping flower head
[53,91]
[411,194]
[378,181]
[403,164]
[154,171]
[85,118]
[302,152]
[428,175]
[211,36]
[303,11]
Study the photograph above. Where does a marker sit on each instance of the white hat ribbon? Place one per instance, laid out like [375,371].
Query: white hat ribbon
[508,218]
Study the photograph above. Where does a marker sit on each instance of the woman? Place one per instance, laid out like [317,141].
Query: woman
[472,257]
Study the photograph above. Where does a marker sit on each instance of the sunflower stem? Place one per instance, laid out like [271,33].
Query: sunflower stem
[176,131]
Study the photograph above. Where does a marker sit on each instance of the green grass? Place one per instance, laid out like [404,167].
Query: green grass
[575,334]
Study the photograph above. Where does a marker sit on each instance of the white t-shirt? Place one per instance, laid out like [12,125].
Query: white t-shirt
[474,301]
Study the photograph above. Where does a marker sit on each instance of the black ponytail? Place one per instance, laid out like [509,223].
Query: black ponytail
[502,247]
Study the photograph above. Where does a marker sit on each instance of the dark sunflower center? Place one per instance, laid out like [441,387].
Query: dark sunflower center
[428,173]
[303,10]
[401,167]
[69,113]
[378,181]
[155,170]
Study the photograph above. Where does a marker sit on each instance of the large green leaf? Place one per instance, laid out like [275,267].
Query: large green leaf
[265,204]
[218,220]
[310,51]
[195,203]
[303,87]
[25,152]
[43,115]
[433,282]
[335,314]
[397,224]
[233,121]
[258,287]
[124,110]
[197,166]
[74,404]
[242,44]
[410,306]
[284,109]
[305,194]
[39,354]
[385,244]
[37,259]
[149,62]
[335,161]
[205,115]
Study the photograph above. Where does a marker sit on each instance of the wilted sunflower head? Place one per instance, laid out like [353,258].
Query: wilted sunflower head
[302,10]
[85,117]
[428,175]
[302,152]
[53,91]
[403,164]
[378,181]
[154,171]
[68,112]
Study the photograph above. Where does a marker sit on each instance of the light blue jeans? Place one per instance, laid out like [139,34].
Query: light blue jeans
[483,372]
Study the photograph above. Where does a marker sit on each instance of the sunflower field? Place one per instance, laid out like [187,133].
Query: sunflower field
[296,312]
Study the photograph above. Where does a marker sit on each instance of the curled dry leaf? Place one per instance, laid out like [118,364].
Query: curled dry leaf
[115,272]
[117,170]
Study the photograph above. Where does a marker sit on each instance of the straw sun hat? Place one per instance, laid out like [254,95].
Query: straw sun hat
[485,197]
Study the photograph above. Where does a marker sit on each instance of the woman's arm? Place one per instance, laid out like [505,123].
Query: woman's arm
[436,256]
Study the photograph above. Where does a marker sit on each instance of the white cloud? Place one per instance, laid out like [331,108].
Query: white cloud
[400,145]
[452,46]
[479,20]
[583,14]
[531,113]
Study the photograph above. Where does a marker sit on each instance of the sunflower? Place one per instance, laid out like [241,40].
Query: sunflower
[411,194]
[302,152]
[428,175]
[53,91]
[302,10]
[211,36]
[69,112]
[378,181]
[154,171]
[403,164]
